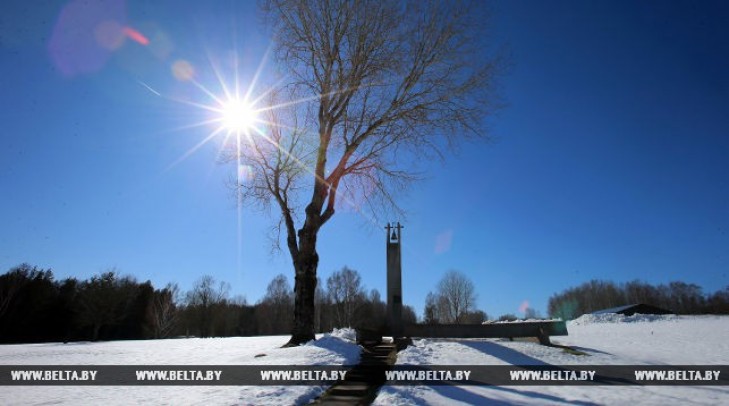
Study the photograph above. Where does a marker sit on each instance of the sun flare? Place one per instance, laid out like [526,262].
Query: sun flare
[237,116]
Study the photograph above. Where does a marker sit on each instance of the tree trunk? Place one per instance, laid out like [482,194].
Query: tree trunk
[304,291]
[305,264]
[95,332]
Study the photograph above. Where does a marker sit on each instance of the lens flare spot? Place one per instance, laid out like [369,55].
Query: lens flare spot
[109,34]
[85,34]
[443,242]
[524,306]
[136,36]
[161,45]
[245,174]
[182,70]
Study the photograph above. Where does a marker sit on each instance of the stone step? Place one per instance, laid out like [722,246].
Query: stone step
[353,376]
[377,356]
[349,390]
[341,400]
[380,351]
[361,384]
[375,361]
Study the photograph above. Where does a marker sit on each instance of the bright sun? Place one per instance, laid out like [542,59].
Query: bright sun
[237,115]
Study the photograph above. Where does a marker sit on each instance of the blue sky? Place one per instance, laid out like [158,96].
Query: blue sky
[610,161]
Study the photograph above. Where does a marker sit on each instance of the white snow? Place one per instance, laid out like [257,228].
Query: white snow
[336,348]
[608,339]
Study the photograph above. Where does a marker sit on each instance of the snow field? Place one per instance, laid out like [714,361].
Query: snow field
[330,349]
[607,339]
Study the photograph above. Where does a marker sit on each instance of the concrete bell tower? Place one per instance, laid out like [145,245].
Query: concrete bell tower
[394,279]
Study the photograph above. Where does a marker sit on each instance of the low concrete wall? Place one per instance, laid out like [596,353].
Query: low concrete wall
[494,330]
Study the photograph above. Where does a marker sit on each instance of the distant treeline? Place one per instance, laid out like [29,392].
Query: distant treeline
[34,307]
[678,297]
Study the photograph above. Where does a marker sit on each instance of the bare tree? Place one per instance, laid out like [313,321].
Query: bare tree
[373,82]
[105,300]
[372,313]
[346,295]
[322,320]
[274,311]
[507,317]
[408,315]
[686,298]
[475,317]
[164,310]
[531,314]
[718,302]
[204,297]
[457,297]
[279,291]
[431,315]
[10,285]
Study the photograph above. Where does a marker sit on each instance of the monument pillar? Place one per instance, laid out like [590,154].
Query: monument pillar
[394,280]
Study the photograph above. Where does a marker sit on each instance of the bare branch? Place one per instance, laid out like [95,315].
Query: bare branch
[377,87]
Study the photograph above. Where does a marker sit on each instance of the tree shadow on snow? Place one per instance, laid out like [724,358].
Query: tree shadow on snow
[509,356]
[451,392]
[505,354]
[463,394]
[67,344]
[588,349]
[479,395]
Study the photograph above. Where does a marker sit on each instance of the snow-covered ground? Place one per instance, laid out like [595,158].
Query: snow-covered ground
[607,339]
[336,348]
